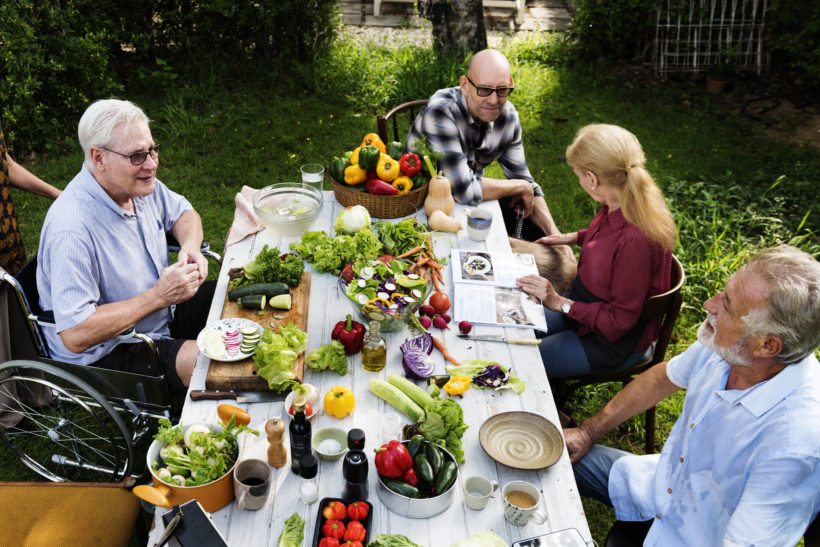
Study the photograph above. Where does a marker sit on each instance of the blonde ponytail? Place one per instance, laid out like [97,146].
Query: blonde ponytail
[616,157]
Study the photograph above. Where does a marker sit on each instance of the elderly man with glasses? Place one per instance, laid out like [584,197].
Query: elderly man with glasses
[103,264]
[474,125]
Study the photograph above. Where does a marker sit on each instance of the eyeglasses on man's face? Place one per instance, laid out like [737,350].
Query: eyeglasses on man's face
[137,158]
[484,91]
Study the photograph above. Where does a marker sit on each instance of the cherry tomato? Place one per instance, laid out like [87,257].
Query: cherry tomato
[308,410]
[440,302]
[348,273]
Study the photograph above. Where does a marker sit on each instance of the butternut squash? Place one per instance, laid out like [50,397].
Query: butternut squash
[439,221]
[439,196]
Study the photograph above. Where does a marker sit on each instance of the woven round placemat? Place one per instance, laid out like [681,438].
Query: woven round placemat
[522,440]
[396,206]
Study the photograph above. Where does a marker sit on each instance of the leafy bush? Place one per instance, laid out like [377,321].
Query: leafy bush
[53,61]
[610,30]
[796,36]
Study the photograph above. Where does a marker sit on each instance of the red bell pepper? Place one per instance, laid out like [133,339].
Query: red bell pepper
[334,510]
[410,164]
[355,531]
[410,477]
[392,459]
[350,333]
[334,529]
[358,510]
[329,542]
[379,187]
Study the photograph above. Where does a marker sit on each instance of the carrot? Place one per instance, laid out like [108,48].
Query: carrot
[435,280]
[410,252]
[434,264]
[440,277]
[443,350]
[423,260]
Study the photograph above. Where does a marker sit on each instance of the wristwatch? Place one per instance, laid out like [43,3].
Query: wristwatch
[565,307]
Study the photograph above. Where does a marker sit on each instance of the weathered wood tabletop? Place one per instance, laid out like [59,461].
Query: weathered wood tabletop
[327,306]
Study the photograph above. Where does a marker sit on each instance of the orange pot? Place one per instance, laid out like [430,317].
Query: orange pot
[212,496]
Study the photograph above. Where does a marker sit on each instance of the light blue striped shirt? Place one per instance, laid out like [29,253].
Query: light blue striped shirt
[740,467]
[93,252]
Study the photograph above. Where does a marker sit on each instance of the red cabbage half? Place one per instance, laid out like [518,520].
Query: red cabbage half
[416,358]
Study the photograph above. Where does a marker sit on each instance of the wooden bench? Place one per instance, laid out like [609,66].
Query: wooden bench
[517,5]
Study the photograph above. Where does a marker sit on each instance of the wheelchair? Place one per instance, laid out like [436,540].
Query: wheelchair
[69,422]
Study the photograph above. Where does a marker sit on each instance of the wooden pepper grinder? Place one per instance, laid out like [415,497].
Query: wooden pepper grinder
[277,453]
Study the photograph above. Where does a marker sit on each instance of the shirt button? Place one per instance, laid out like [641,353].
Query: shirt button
[668,490]
[658,517]
[681,460]
[641,515]
[691,426]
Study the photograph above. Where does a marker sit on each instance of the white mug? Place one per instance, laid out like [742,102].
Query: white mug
[478,223]
[478,491]
[251,483]
[521,503]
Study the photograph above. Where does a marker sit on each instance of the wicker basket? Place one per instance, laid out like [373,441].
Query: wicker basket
[396,206]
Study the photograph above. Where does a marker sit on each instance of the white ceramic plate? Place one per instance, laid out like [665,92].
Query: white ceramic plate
[522,440]
[222,326]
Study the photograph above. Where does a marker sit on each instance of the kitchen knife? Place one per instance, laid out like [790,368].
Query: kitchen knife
[240,396]
[498,338]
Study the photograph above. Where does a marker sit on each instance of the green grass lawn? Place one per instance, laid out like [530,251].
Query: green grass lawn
[732,189]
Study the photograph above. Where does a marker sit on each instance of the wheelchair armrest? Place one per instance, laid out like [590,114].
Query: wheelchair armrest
[205,248]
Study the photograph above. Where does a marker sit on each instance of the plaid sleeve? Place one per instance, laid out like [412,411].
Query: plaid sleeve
[512,159]
[443,133]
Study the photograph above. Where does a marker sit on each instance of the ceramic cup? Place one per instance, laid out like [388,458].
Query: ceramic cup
[251,484]
[478,491]
[478,223]
[521,503]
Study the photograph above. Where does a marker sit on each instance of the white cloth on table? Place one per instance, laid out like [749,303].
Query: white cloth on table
[245,221]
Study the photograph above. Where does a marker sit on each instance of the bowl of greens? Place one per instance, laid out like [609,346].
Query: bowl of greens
[193,462]
[384,291]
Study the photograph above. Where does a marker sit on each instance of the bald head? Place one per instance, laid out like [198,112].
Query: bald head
[490,64]
[488,69]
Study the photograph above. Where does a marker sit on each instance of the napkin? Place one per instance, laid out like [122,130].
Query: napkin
[245,221]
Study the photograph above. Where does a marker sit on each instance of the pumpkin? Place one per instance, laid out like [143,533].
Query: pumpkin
[439,196]
[439,221]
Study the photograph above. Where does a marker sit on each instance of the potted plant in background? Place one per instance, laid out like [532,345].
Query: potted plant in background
[718,75]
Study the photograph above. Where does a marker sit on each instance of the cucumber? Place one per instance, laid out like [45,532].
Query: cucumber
[394,397]
[253,301]
[414,445]
[418,395]
[434,456]
[281,302]
[446,477]
[423,467]
[399,487]
[268,289]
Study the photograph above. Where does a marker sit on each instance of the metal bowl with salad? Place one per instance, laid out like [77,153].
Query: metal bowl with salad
[383,291]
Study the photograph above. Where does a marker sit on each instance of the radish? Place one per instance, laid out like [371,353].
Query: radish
[465,327]
[427,310]
[440,323]
[446,317]
[425,321]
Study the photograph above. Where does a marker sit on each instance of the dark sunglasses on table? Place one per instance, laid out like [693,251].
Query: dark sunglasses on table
[137,158]
[483,91]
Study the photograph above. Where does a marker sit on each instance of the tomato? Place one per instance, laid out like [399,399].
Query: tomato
[348,273]
[334,529]
[358,510]
[334,510]
[226,411]
[355,531]
[308,410]
[440,302]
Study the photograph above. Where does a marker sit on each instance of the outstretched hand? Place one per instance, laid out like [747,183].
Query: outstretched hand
[578,442]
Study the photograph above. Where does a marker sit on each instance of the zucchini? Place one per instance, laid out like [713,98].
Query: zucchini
[438,379]
[423,467]
[399,487]
[415,444]
[253,301]
[394,397]
[268,289]
[281,302]
[418,395]
[434,456]
[446,477]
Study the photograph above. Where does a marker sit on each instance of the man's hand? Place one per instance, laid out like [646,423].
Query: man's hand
[579,442]
[194,257]
[523,196]
[541,288]
[178,282]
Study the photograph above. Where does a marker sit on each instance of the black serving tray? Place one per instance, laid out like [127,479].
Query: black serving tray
[320,520]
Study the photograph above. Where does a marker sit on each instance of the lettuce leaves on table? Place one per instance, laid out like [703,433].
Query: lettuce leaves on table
[330,254]
[276,353]
[392,540]
[328,356]
[487,375]
[269,267]
[293,533]
[443,424]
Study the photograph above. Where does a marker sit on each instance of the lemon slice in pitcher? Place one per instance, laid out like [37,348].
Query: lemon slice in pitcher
[214,345]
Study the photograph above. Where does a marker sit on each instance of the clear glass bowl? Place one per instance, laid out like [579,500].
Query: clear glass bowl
[288,207]
[390,320]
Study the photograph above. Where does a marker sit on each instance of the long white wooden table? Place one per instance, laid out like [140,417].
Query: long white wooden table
[327,306]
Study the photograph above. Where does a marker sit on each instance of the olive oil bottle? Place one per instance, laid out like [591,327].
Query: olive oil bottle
[374,351]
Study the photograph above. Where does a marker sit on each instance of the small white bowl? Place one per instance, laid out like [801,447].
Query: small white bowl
[334,433]
[317,406]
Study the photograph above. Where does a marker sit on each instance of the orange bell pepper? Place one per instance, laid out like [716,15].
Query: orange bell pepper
[375,140]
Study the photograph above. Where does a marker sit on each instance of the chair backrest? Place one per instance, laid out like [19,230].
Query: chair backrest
[392,118]
[666,307]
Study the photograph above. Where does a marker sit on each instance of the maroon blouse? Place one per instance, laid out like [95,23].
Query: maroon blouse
[619,265]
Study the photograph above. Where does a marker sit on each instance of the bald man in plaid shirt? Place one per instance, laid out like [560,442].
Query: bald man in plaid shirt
[474,125]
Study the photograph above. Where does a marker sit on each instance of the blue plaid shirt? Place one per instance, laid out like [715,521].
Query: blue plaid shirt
[470,145]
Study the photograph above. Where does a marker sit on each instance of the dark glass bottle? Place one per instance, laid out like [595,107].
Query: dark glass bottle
[354,467]
[299,434]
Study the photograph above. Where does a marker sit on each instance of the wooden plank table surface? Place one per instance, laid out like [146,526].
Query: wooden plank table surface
[327,305]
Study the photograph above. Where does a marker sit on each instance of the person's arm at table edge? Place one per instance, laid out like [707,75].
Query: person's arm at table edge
[642,393]
[22,178]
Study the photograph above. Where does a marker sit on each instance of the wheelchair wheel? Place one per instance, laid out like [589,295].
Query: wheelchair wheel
[67,431]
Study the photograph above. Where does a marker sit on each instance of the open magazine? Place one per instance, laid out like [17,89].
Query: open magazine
[484,289]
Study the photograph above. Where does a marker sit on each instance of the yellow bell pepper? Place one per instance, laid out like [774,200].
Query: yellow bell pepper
[387,168]
[354,157]
[339,402]
[354,175]
[403,184]
[457,385]
[375,140]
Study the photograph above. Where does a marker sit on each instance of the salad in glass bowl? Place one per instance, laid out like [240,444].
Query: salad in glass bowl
[384,291]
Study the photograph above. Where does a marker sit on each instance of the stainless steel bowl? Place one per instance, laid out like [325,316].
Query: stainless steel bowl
[420,508]
[288,207]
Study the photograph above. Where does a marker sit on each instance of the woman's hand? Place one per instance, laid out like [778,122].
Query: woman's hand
[559,239]
[541,288]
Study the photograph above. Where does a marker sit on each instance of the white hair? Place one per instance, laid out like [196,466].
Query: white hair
[97,125]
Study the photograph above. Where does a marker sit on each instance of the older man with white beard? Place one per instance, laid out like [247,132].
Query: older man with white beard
[742,464]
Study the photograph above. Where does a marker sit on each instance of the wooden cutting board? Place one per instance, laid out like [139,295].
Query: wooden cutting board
[241,375]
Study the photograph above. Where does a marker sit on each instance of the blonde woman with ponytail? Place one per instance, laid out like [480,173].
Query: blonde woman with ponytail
[625,257]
